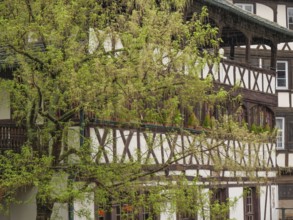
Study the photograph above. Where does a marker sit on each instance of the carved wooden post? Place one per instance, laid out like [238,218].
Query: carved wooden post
[247,52]
[232,51]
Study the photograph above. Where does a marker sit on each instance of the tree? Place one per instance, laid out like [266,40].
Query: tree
[133,62]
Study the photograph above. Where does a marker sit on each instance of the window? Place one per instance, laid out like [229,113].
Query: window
[251,204]
[125,211]
[261,118]
[282,75]
[185,216]
[246,7]
[290,18]
[280,125]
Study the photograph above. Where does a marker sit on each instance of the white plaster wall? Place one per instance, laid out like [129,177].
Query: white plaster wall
[108,41]
[281,160]
[205,71]
[206,207]
[290,160]
[274,201]
[253,46]
[283,99]
[290,45]
[93,41]
[280,46]
[4,104]
[60,211]
[260,81]
[231,76]
[264,214]
[246,78]
[73,141]
[133,146]
[222,72]
[26,210]
[252,81]
[85,209]
[265,83]
[120,144]
[262,194]
[287,47]
[95,142]
[281,15]
[168,213]
[264,11]
[273,154]
[59,184]
[204,173]
[271,200]
[273,85]
[236,212]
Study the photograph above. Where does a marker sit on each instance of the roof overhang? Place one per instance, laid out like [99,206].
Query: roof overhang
[236,24]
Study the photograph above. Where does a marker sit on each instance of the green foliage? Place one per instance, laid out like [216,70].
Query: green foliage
[148,72]
[257,129]
[207,122]
[193,122]
[20,171]
[267,128]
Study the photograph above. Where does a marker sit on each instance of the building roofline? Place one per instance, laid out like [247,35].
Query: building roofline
[227,6]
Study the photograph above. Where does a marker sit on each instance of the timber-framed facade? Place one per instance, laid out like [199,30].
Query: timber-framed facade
[258,59]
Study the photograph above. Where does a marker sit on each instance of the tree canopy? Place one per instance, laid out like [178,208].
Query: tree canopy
[80,61]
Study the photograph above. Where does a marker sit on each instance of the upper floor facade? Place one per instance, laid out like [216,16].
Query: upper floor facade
[258,85]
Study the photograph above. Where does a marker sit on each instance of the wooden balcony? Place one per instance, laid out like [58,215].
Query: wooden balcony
[255,84]
[12,137]
[152,145]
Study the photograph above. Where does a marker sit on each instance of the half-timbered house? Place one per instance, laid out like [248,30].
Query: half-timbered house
[279,12]
[256,58]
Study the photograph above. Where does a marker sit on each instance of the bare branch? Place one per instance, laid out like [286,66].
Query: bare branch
[29,7]
[26,54]
[48,116]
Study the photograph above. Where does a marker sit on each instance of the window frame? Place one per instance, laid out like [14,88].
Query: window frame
[251,203]
[287,20]
[286,75]
[282,131]
[242,6]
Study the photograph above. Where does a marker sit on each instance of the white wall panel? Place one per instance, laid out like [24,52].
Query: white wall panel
[281,15]
[281,160]
[86,207]
[236,212]
[264,12]
[26,210]
[274,201]
[290,160]
[283,99]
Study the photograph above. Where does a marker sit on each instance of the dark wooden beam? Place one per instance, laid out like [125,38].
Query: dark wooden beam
[247,52]
[274,51]
[232,51]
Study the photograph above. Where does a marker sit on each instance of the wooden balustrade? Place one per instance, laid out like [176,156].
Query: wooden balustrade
[248,77]
[12,137]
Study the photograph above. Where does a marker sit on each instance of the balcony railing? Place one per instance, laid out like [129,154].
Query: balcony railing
[248,77]
[12,137]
